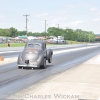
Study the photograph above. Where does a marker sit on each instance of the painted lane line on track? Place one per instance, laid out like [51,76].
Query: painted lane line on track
[75,49]
[10,51]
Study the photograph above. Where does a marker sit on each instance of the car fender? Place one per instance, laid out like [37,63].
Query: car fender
[19,57]
[49,53]
[41,59]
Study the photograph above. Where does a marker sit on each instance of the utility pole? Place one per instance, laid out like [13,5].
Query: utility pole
[45,27]
[26,24]
[58,25]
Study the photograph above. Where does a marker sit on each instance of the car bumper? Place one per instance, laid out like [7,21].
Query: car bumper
[35,64]
[28,66]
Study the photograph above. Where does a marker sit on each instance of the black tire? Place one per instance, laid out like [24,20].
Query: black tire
[19,67]
[50,59]
[44,64]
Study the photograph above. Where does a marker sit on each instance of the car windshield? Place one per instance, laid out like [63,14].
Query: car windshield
[34,45]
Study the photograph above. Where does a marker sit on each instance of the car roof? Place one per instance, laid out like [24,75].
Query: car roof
[36,41]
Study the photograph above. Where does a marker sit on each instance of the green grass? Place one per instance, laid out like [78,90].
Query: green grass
[12,45]
[74,42]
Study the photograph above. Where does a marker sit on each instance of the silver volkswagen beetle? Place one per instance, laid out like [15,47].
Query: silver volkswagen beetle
[34,55]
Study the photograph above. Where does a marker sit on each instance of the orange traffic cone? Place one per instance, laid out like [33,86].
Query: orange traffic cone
[1,58]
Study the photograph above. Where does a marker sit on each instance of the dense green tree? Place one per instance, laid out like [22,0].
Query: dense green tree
[30,34]
[68,34]
[55,31]
[13,32]
[36,34]
[20,33]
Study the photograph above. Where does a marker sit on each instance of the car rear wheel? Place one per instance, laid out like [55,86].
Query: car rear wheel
[50,59]
[44,64]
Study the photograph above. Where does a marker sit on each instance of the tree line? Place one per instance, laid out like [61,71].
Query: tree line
[68,33]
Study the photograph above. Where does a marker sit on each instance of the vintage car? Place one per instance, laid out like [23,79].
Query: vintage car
[34,55]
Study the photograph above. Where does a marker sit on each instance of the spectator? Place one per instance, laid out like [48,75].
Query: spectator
[8,44]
